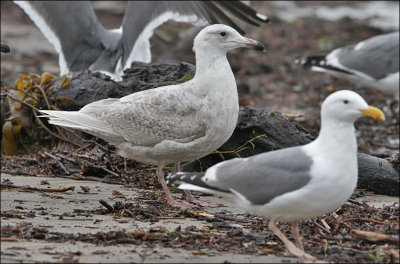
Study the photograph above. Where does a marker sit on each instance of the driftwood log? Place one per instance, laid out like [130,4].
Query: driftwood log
[257,131]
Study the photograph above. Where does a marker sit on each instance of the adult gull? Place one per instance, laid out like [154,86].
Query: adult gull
[173,123]
[293,183]
[83,43]
[373,62]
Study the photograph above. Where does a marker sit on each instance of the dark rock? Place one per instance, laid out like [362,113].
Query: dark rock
[377,175]
[83,88]
[143,76]
[86,87]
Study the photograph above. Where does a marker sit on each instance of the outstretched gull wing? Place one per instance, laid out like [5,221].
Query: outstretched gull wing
[75,32]
[143,17]
[83,43]
[257,179]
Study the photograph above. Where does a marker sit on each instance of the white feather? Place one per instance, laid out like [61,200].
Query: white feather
[141,50]
[188,186]
[47,31]
[78,120]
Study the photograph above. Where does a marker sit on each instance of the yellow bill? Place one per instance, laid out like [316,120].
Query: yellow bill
[374,113]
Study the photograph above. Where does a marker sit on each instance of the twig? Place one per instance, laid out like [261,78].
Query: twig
[321,227]
[356,202]
[88,163]
[9,239]
[338,238]
[85,156]
[106,205]
[61,189]
[365,219]
[325,224]
[238,149]
[79,149]
[58,162]
[192,212]
[100,167]
[41,123]
[26,94]
[371,236]
[65,157]
[351,249]
[43,94]
[25,158]
[293,115]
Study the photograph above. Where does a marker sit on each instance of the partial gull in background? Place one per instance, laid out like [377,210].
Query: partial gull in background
[373,62]
[83,43]
[173,123]
[293,183]
[5,48]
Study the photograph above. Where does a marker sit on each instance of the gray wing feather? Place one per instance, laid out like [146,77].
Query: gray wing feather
[84,41]
[140,13]
[378,56]
[85,44]
[262,177]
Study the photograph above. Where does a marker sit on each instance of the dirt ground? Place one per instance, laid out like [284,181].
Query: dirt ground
[269,81]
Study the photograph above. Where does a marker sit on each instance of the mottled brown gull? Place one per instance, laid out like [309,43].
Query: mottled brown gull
[174,123]
[298,182]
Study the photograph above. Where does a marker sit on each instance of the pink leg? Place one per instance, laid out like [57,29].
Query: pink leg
[177,166]
[303,256]
[296,236]
[189,196]
[171,201]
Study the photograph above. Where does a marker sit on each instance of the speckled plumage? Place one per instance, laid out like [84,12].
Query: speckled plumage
[174,123]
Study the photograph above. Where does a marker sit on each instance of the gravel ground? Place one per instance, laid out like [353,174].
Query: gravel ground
[94,221]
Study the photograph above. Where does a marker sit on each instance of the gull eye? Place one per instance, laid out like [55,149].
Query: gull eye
[223,33]
[345,101]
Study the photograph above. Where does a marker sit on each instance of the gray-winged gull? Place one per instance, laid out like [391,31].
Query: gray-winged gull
[293,183]
[373,62]
[83,43]
[173,123]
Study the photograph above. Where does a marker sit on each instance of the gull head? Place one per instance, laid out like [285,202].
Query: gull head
[222,38]
[348,106]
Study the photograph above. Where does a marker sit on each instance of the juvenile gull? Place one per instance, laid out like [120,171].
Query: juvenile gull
[83,43]
[298,182]
[173,123]
[373,62]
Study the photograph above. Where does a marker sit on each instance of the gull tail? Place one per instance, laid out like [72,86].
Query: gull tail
[309,61]
[78,120]
[319,63]
[192,181]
